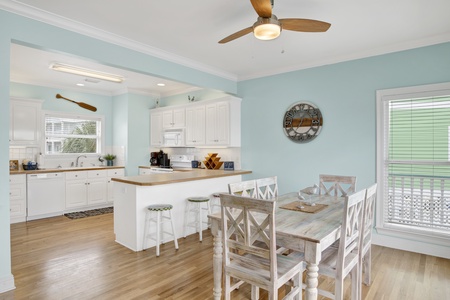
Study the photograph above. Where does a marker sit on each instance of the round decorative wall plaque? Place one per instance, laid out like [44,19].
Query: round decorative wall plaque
[302,122]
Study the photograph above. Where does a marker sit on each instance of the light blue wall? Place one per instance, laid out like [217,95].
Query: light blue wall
[199,95]
[138,148]
[14,28]
[345,94]
[102,103]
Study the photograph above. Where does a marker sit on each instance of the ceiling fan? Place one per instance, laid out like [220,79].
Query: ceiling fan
[268,26]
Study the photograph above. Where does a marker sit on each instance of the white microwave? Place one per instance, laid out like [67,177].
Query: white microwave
[173,138]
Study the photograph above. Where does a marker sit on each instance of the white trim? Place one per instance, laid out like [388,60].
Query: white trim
[61,22]
[56,20]
[390,235]
[7,283]
[408,243]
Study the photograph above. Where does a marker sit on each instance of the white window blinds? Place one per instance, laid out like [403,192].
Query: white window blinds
[416,162]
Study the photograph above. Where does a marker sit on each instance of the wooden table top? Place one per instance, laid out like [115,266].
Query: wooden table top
[315,227]
[178,176]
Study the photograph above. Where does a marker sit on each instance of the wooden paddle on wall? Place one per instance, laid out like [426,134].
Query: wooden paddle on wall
[80,104]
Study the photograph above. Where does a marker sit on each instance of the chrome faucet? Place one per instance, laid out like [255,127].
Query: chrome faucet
[76,164]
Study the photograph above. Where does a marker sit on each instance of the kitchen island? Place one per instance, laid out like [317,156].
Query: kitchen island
[133,194]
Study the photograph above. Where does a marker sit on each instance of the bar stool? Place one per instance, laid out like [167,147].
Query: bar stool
[155,215]
[194,205]
[215,203]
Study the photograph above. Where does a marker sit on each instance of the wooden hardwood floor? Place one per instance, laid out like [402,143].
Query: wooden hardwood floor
[58,258]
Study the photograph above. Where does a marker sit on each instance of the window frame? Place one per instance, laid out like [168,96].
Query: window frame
[56,114]
[381,225]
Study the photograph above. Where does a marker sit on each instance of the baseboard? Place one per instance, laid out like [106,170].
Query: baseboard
[7,284]
[411,246]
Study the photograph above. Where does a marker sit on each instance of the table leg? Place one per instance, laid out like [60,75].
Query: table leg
[312,257]
[217,265]
[311,281]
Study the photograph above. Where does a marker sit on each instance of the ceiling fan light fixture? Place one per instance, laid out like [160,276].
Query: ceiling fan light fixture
[86,72]
[267,28]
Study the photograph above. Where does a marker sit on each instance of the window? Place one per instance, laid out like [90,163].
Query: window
[72,134]
[413,168]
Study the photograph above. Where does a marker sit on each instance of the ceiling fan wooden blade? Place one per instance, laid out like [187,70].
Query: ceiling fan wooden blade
[262,7]
[236,35]
[304,25]
[80,104]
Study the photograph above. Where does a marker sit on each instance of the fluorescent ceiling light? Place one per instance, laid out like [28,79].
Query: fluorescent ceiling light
[161,84]
[86,72]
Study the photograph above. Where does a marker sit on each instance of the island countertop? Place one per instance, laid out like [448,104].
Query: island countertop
[178,176]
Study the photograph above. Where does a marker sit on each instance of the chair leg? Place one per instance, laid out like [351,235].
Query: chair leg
[367,266]
[255,292]
[356,283]
[339,287]
[227,287]
[144,241]
[158,231]
[200,222]
[186,218]
[173,230]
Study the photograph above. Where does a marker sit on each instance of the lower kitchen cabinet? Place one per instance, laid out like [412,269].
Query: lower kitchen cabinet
[18,198]
[111,174]
[86,189]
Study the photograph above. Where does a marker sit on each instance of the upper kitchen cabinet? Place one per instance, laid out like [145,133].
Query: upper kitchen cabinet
[156,128]
[195,125]
[174,118]
[223,122]
[25,117]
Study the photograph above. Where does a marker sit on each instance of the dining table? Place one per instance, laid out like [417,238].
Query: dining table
[310,233]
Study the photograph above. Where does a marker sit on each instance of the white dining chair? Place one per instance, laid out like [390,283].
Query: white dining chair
[243,188]
[267,187]
[244,222]
[336,185]
[366,240]
[346,260]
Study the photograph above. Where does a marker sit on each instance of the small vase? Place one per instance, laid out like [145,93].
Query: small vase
[110,163]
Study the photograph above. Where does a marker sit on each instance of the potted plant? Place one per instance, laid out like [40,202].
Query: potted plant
[109,159]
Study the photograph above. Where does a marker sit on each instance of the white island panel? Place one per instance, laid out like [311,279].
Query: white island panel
[130,202]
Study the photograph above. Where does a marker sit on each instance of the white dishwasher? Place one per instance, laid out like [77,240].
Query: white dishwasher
[46,195]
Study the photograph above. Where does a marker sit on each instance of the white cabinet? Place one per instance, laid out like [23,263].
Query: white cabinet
[156,129]
[111,174]
[86,188]
[18,198]
[195,125]
[217,124]
[174,118]
[25,116]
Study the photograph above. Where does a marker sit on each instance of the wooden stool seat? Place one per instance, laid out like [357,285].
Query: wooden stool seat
[159,219]
[194,205]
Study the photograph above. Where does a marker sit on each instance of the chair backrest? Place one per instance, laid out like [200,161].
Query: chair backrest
[351,231]
[335,185]
[244,189]
[267,187]
[244,222]
[369,207]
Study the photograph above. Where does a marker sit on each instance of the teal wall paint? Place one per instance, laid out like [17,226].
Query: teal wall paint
[120,124]
[5,242]
[18,29]
[346,96]
[138,132]
[102,103]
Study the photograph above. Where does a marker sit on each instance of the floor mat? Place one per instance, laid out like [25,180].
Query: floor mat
[89,213]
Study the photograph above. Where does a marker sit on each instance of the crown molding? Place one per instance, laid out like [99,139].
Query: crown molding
[438,39]
[78,27]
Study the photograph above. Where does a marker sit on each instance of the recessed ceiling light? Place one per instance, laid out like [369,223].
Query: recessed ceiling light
[161,84]
[80,84]
[86,72]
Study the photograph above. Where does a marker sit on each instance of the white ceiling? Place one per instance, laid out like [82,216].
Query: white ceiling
[187,32]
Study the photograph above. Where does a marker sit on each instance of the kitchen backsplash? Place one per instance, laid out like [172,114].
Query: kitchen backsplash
[225,154]
[32,153]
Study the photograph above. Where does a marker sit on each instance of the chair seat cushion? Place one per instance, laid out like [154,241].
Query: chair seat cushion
[159,207]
